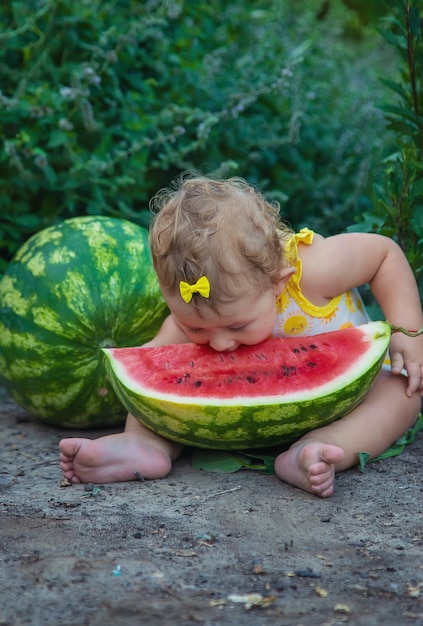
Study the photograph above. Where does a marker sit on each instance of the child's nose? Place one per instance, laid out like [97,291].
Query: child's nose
[221,341]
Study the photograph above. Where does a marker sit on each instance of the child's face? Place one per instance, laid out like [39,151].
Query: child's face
[248,321]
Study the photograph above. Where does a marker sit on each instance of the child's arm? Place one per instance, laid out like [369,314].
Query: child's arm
[169,333]
[334,265]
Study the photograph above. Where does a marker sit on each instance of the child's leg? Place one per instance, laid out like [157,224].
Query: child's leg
[381,418]
[121,457]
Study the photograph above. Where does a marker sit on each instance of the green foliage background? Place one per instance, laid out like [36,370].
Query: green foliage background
[103,102]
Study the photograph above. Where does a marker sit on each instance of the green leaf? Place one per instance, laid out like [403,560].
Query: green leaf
[266,463]
[395,125]
[57,138]
[227,462]
[216,461]
[397,87]
[401,112]
[50,174]
[416,190]
[368,223]
[363,458]
[415,22]
[396,41]
[417,223]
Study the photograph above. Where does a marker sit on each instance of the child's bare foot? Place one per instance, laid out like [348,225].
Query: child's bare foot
[114,458]
[310,465]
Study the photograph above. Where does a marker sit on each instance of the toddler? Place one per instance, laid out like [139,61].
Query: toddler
[232,273]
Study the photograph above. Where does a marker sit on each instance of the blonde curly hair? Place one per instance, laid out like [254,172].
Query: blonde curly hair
[222,229]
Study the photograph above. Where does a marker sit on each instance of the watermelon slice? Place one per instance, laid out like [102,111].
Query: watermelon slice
[256,396]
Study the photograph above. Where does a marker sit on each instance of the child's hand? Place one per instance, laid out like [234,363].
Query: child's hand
[407,353]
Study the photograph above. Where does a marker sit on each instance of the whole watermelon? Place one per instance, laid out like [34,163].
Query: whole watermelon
[71,290]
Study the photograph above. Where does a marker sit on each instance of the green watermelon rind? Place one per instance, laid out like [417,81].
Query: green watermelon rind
[229,427]
[70,290]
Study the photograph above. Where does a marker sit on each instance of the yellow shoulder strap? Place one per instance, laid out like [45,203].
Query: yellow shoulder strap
[304,236]
[291,248]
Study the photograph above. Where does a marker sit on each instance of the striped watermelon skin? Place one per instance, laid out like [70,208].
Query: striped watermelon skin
[71,290]
[229,427]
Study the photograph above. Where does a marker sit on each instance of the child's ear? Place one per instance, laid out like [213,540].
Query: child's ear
[284,276]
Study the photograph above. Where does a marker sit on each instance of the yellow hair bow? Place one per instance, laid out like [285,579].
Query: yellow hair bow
[202,286]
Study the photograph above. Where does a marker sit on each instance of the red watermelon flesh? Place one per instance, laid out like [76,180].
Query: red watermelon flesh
[287,366]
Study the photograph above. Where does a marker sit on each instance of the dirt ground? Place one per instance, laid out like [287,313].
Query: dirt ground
[202,548]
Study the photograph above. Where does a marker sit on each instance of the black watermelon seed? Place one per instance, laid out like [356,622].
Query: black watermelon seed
[251,379]
[296,351]
[313,346]
[198,383]
[311,364]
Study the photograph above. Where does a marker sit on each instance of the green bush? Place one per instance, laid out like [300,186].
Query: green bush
[398,208]
[104,102]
